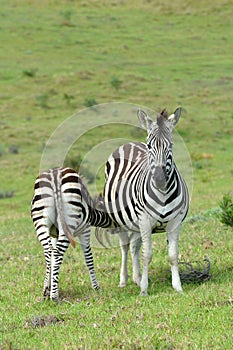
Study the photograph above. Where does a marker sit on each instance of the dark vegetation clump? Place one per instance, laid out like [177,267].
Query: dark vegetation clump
[194,272]
[226,210]
[116,83]
[75,162]
[67,18]
[42,100]
[6,194]
[68,98]
[30,72]
[38,321]
[14,149]
[90,102]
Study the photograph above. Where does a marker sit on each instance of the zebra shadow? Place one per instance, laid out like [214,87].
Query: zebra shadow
[77,294]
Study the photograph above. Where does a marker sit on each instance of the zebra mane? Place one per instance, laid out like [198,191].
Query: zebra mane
[162,116]
[164,113]
[162,125]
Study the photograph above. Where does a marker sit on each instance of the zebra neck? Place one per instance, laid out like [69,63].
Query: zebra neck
[99,218]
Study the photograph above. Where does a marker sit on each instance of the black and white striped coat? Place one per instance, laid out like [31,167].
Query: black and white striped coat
[145,193]
[62,209]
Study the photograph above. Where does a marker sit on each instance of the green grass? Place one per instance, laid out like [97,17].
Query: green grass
[57,56]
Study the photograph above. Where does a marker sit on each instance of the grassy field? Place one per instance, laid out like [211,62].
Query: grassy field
[59,57]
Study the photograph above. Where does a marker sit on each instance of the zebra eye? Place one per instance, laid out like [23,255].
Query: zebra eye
[149,146]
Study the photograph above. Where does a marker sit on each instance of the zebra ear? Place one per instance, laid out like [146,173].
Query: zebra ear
[174,118]
[144,120]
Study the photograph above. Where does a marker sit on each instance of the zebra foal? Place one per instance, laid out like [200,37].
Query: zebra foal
[145,193]
[61,209]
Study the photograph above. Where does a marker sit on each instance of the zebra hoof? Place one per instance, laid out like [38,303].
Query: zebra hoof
[54,298]
[46,293]
[143,293]
[122,284]
[178,288]
[137,281]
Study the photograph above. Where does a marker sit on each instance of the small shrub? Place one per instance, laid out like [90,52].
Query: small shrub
[42,100]
[14,149]
[73,162]
[67,14]
[116,83]
[6,194]
[90,102]
[198,165]
[68,98]
[226,206]
[30,72]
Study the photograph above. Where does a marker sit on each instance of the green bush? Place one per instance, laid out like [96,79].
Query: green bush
[42,100]
[90,102]
[30,72]
[14,149]
[116,83]
[226,206]
[6,194]
[74,162]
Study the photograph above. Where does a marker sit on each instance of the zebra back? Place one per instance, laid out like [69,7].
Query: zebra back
[58,200]
[62,199]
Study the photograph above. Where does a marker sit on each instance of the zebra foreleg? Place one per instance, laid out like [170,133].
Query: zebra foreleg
[146,255]
[135,245]
[172,237]
[124,244]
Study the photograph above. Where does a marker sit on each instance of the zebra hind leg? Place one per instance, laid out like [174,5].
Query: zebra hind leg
[58,251]
[46,243]
[84,239]
[47,281]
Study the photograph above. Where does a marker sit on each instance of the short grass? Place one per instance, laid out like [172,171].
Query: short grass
[59,57]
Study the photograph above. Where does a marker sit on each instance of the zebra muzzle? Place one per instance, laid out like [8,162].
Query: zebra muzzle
[160,177]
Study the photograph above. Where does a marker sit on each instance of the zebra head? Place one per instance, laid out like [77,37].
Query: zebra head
[159,144]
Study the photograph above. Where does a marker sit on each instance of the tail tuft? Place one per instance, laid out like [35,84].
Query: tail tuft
[70,236]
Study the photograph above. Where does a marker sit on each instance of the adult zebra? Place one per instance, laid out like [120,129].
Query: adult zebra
[145,193]
[62,208]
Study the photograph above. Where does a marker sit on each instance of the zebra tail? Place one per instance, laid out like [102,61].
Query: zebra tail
[60,213]
[104,236]
[99,236]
